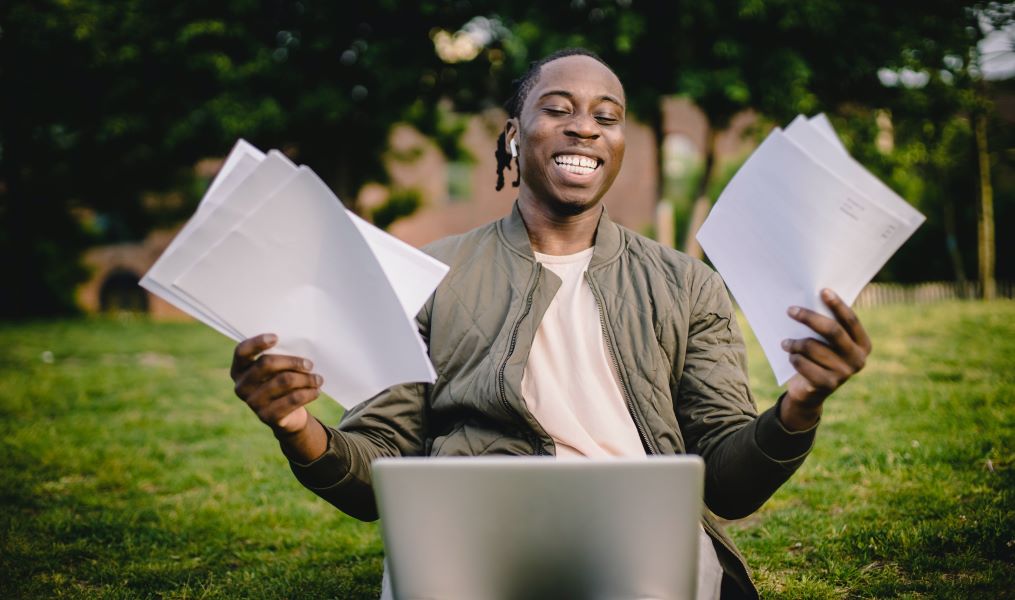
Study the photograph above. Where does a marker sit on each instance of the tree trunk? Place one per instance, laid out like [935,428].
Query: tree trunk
[951,242]
[702,202]
[665,224]
[985,214]
[659,136]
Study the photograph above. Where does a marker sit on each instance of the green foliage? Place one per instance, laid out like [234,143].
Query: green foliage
[401,203]
[782,58]
[933,163]
[934,166]
[778,56]
[129,469]
[909,489]
[105,103]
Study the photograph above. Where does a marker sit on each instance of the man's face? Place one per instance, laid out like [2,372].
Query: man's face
[570,134]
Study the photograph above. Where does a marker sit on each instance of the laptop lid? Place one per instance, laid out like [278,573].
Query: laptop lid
[511,527]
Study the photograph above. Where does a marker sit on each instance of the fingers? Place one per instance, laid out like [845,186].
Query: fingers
[830,329]
[266,367]
[276,397]
[272,413]
[817,352]
[848,319]
[840,340]
[819,380]
[822,366]
[282,384]
[274,386]
[820,370]
[248,350]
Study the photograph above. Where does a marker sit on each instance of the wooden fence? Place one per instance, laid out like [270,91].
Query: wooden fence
[877,294]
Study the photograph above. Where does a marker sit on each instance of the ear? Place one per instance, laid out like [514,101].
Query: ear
[511,132]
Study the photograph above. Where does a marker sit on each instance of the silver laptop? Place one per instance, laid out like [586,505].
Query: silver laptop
[513,528]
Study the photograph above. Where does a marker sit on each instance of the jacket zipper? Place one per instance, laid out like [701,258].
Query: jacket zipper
[631,408]
[645,440]
[511,350]
[715,535]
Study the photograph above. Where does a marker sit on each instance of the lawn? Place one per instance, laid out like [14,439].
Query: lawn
[128,469]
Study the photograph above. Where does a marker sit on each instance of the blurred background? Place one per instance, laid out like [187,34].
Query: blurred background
[116,115]
[129,469]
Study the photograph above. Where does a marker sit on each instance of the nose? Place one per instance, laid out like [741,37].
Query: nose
[583,126]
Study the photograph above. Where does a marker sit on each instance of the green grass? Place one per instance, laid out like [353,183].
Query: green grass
[128,468]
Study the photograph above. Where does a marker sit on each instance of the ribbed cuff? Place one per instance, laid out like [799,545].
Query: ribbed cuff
[329,468]
[779,443]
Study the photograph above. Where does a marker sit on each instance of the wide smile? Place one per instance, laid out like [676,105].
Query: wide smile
[577,164]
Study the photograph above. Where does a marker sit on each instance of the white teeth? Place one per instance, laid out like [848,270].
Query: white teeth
[577,170]
[574,163]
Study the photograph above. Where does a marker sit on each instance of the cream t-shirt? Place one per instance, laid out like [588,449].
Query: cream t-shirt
[570,386]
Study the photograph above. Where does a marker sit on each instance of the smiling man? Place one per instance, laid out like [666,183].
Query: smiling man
[558,332]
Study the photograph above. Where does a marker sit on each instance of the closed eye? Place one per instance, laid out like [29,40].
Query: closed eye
[555,111]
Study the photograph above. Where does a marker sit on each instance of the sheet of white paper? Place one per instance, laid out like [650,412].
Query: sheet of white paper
[269,176]
[786,227]
[298,267]
[237,165]
[822,124]
[244,186]
[806,134]
[241,162]
[413,274]
[186,305]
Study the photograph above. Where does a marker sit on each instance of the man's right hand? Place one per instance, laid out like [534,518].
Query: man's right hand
[277,388]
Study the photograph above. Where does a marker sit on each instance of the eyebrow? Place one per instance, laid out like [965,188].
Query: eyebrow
[569,95]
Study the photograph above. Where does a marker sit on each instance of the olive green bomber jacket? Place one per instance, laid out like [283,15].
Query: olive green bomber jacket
[674,340]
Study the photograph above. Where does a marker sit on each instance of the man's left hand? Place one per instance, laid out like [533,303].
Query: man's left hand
[822,366]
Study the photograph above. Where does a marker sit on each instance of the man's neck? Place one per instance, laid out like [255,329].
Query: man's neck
[555,234]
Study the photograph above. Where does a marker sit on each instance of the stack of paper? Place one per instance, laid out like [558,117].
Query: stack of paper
[799,216]
[272,250]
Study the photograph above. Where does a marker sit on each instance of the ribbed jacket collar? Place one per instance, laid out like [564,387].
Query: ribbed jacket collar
[608,245]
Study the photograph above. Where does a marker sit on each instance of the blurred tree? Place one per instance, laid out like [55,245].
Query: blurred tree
[780,57]
[988,16]
[939,156]
[104,103]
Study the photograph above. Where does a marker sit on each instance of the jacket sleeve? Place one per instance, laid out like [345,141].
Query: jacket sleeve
[393,423]
[747,456]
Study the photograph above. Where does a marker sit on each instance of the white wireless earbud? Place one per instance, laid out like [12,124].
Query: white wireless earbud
[514,148]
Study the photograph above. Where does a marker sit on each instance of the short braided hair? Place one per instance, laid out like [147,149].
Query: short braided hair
[522,86]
